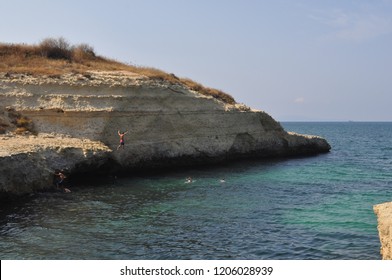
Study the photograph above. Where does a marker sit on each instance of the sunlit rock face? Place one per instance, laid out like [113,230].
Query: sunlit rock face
[76,122]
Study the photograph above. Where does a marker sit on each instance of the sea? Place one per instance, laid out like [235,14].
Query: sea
[304,208]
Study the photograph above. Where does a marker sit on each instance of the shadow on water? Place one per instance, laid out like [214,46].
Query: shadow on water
[11,205]
[157,215]
[317,207]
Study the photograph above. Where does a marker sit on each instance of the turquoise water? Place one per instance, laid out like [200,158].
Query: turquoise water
[304,208]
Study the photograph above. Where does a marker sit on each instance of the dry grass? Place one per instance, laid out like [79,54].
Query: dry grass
[40,60]
[55,57]
[216,93]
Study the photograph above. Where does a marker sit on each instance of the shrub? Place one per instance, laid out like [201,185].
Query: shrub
[56,48]
[54,57]
[82,52]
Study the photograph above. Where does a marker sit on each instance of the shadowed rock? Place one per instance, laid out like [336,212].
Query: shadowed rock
[169,125]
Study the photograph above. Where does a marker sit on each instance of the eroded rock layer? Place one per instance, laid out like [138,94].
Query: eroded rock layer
[168,124]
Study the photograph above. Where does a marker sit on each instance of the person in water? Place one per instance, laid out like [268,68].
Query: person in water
[121,139]
[59,181]
[188,180]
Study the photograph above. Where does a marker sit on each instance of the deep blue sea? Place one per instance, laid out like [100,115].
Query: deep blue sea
[317,207]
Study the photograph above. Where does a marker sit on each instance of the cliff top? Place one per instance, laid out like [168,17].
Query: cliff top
[54,59]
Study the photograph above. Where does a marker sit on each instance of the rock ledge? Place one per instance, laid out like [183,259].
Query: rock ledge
[76,117]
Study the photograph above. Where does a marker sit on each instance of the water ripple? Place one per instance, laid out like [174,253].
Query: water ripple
[305,208]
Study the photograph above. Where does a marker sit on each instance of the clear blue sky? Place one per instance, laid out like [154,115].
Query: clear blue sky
[297,60]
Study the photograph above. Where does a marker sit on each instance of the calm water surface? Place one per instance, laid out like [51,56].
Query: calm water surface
[305,208]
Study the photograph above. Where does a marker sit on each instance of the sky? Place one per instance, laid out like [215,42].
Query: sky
[305,60]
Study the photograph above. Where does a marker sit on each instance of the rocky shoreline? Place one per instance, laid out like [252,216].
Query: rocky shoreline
[384,217]
[73,122]
[28,163]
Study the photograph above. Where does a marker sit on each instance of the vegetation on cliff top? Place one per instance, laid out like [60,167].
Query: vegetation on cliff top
[55,57]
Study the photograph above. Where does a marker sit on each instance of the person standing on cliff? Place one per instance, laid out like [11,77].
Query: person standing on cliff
[121,139]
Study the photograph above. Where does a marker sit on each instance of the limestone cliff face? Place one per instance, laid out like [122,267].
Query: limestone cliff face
[168,124]
[27,163]
[384,218]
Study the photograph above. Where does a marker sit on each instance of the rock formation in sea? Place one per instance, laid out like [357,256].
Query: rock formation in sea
[75,120]
[384,218]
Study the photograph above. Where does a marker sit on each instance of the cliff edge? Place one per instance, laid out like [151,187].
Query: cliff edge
[71,121]
[384,218]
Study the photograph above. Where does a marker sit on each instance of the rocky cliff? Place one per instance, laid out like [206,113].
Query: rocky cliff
[75,119]
[384,218]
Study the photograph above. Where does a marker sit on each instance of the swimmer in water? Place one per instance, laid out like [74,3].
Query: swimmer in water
[188,180]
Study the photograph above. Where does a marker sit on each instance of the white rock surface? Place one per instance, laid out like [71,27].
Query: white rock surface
[168,124]
[384,218]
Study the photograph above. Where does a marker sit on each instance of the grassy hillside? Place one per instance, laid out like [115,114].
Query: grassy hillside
[54,57]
